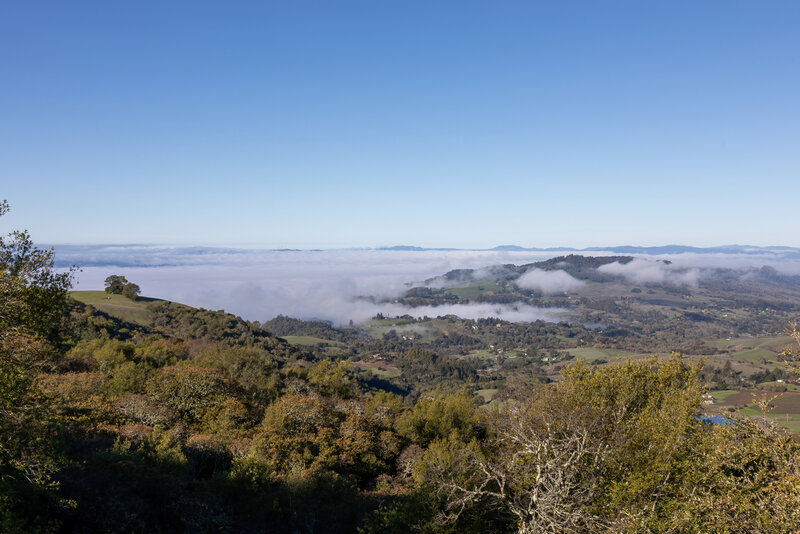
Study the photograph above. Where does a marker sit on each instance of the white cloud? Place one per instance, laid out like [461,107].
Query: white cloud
[790,266]
[548,282]
[643,271]
[259,285]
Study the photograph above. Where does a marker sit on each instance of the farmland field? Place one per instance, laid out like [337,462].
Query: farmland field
[380,369]
[784,410]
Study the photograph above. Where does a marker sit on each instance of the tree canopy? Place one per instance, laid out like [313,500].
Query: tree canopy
[119,285]
[33,299]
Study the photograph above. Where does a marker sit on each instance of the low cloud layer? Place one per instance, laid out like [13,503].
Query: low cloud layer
[642,271]
[259,285]
[548,282]
[517,312]
[304,284]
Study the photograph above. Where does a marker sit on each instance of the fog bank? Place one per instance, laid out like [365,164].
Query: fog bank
[548,282]
[304,284]
[259,285]
[643,271]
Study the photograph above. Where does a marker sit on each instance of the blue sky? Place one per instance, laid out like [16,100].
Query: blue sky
[463,124]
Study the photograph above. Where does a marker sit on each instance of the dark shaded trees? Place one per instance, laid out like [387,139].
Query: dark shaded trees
[33,297]
[131,291]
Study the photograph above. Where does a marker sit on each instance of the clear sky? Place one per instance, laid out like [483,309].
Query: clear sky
[434,123]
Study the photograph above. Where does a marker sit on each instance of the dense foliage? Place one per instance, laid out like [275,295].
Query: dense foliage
[32,307]
[198,421]
[119,285]
[288,326]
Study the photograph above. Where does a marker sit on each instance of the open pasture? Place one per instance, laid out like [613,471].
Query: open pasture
[134,311]
[379,369]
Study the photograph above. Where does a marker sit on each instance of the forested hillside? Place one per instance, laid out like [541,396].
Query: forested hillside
[189,420]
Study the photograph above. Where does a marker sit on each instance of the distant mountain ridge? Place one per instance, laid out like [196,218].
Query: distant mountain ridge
[662,249]
[143,255]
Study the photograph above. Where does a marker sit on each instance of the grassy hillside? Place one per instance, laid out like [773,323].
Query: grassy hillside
[134,311]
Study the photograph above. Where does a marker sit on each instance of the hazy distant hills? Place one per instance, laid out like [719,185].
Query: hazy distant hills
[625,272]
[665,249]
[143,255]
[639,297]
[628,249]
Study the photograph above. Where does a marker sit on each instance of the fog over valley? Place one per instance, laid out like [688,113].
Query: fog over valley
[259,285]
[355,285]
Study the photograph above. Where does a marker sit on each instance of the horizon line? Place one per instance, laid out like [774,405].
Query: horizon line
[413,248]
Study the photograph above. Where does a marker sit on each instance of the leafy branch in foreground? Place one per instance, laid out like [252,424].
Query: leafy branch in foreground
[33,298]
